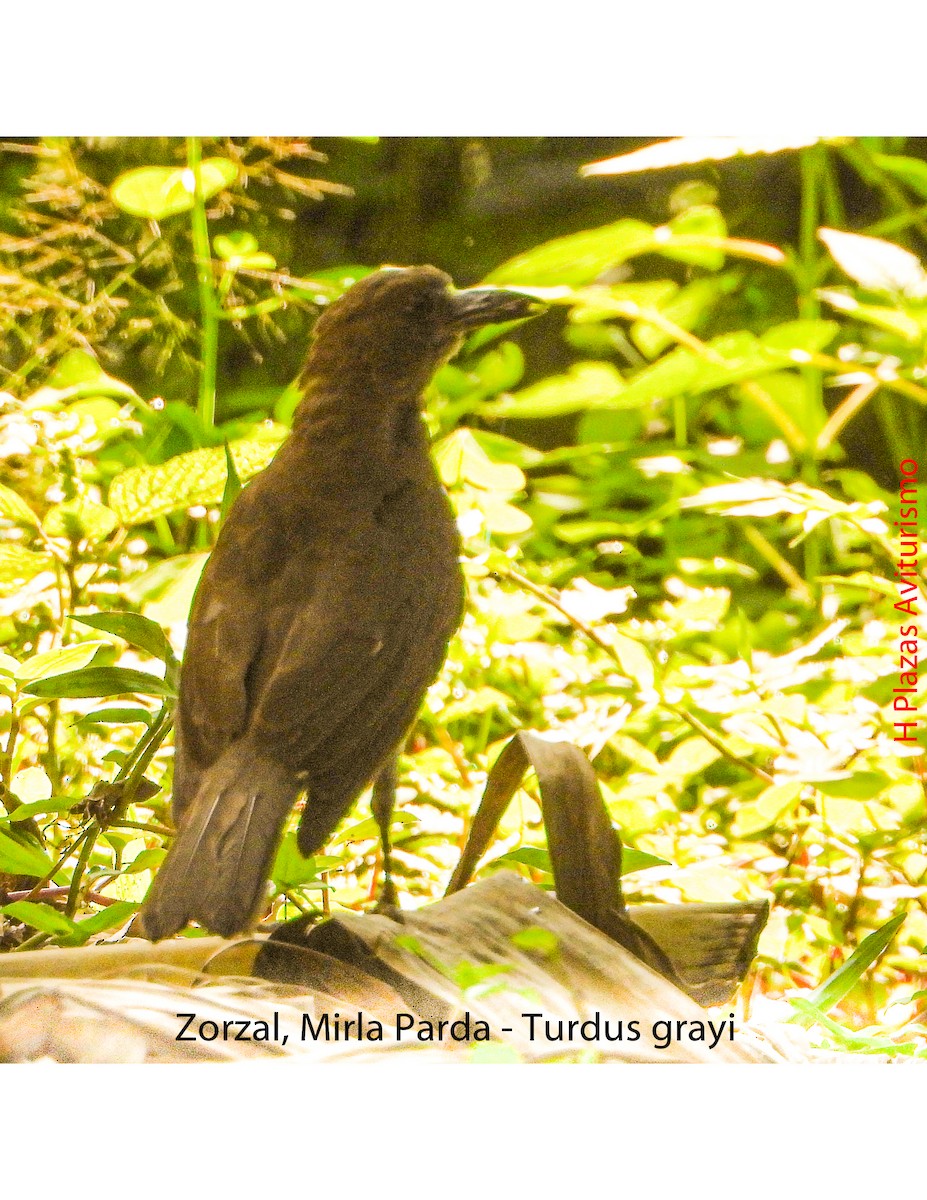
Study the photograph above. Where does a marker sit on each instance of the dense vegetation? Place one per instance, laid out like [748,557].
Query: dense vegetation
[677,492]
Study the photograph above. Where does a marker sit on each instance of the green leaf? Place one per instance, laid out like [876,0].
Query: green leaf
[137,630]
[57,662]
[78,374]
[239,249]
[109,917]
[19,856]
[14,508]
[461,459]
[115,716]
[762,813]
[42,808]
[881,316]
[586,385]
[687,308]
[870,949]
[640,860]
[688,237]
[199,477]
[77,519]
[147,860]
[861,785]
[634,659]
[911,171]
[576,259]
[97,682]
[19,566]
[42,917]
[159,192]
[292,870]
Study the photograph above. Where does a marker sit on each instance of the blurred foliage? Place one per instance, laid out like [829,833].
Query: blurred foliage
[675,492]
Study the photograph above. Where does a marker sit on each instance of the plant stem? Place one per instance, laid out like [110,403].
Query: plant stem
[209,336]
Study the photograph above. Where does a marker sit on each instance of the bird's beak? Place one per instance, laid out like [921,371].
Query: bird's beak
[487,306]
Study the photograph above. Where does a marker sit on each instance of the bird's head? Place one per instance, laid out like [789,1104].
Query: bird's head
[393,329]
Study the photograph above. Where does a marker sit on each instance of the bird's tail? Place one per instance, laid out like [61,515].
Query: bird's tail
[216,869]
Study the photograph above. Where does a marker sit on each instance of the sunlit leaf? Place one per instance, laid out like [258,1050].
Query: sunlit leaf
[19,566]
[14,508]
[57,662]
[576,259]
[877,265]
[42,917]
[198,477]
[137,630]
[683,151]
[763,812]
[843,980]
[159,192]
[98,682]
[18,856]
[76,519]
[586,385]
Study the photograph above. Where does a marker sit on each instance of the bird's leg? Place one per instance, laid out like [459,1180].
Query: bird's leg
[382,803]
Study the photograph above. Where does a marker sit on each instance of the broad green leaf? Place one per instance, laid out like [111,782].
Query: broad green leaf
[292,870]
[31,784]
[877,265]
[98,682]
[503,519]
[240,249]
[501,368]
[115,716]
[57,662]
[79,375]
[810,335]
[132,628]
[763,812]
[861,785]
[461,459]
[686,308]
[14,508]
[634,659]
[147,860]
[46,808]
[77,519]
[586,385]
[42,917]
[19,566]
[881,316]
[159,192]
[198,477]
[640,860]
[576,259]
[109,917]
[683,151]
[688,237]
[19,856]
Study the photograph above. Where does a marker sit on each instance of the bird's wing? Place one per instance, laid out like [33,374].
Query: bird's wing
[325,662]
[225,632]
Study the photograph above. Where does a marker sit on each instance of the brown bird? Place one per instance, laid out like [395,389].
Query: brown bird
[325,610]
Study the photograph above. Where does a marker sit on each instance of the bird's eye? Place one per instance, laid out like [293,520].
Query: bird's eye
[420,308]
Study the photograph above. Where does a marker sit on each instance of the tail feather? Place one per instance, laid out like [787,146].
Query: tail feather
[221,856]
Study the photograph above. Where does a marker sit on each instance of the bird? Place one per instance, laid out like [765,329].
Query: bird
[326,607]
